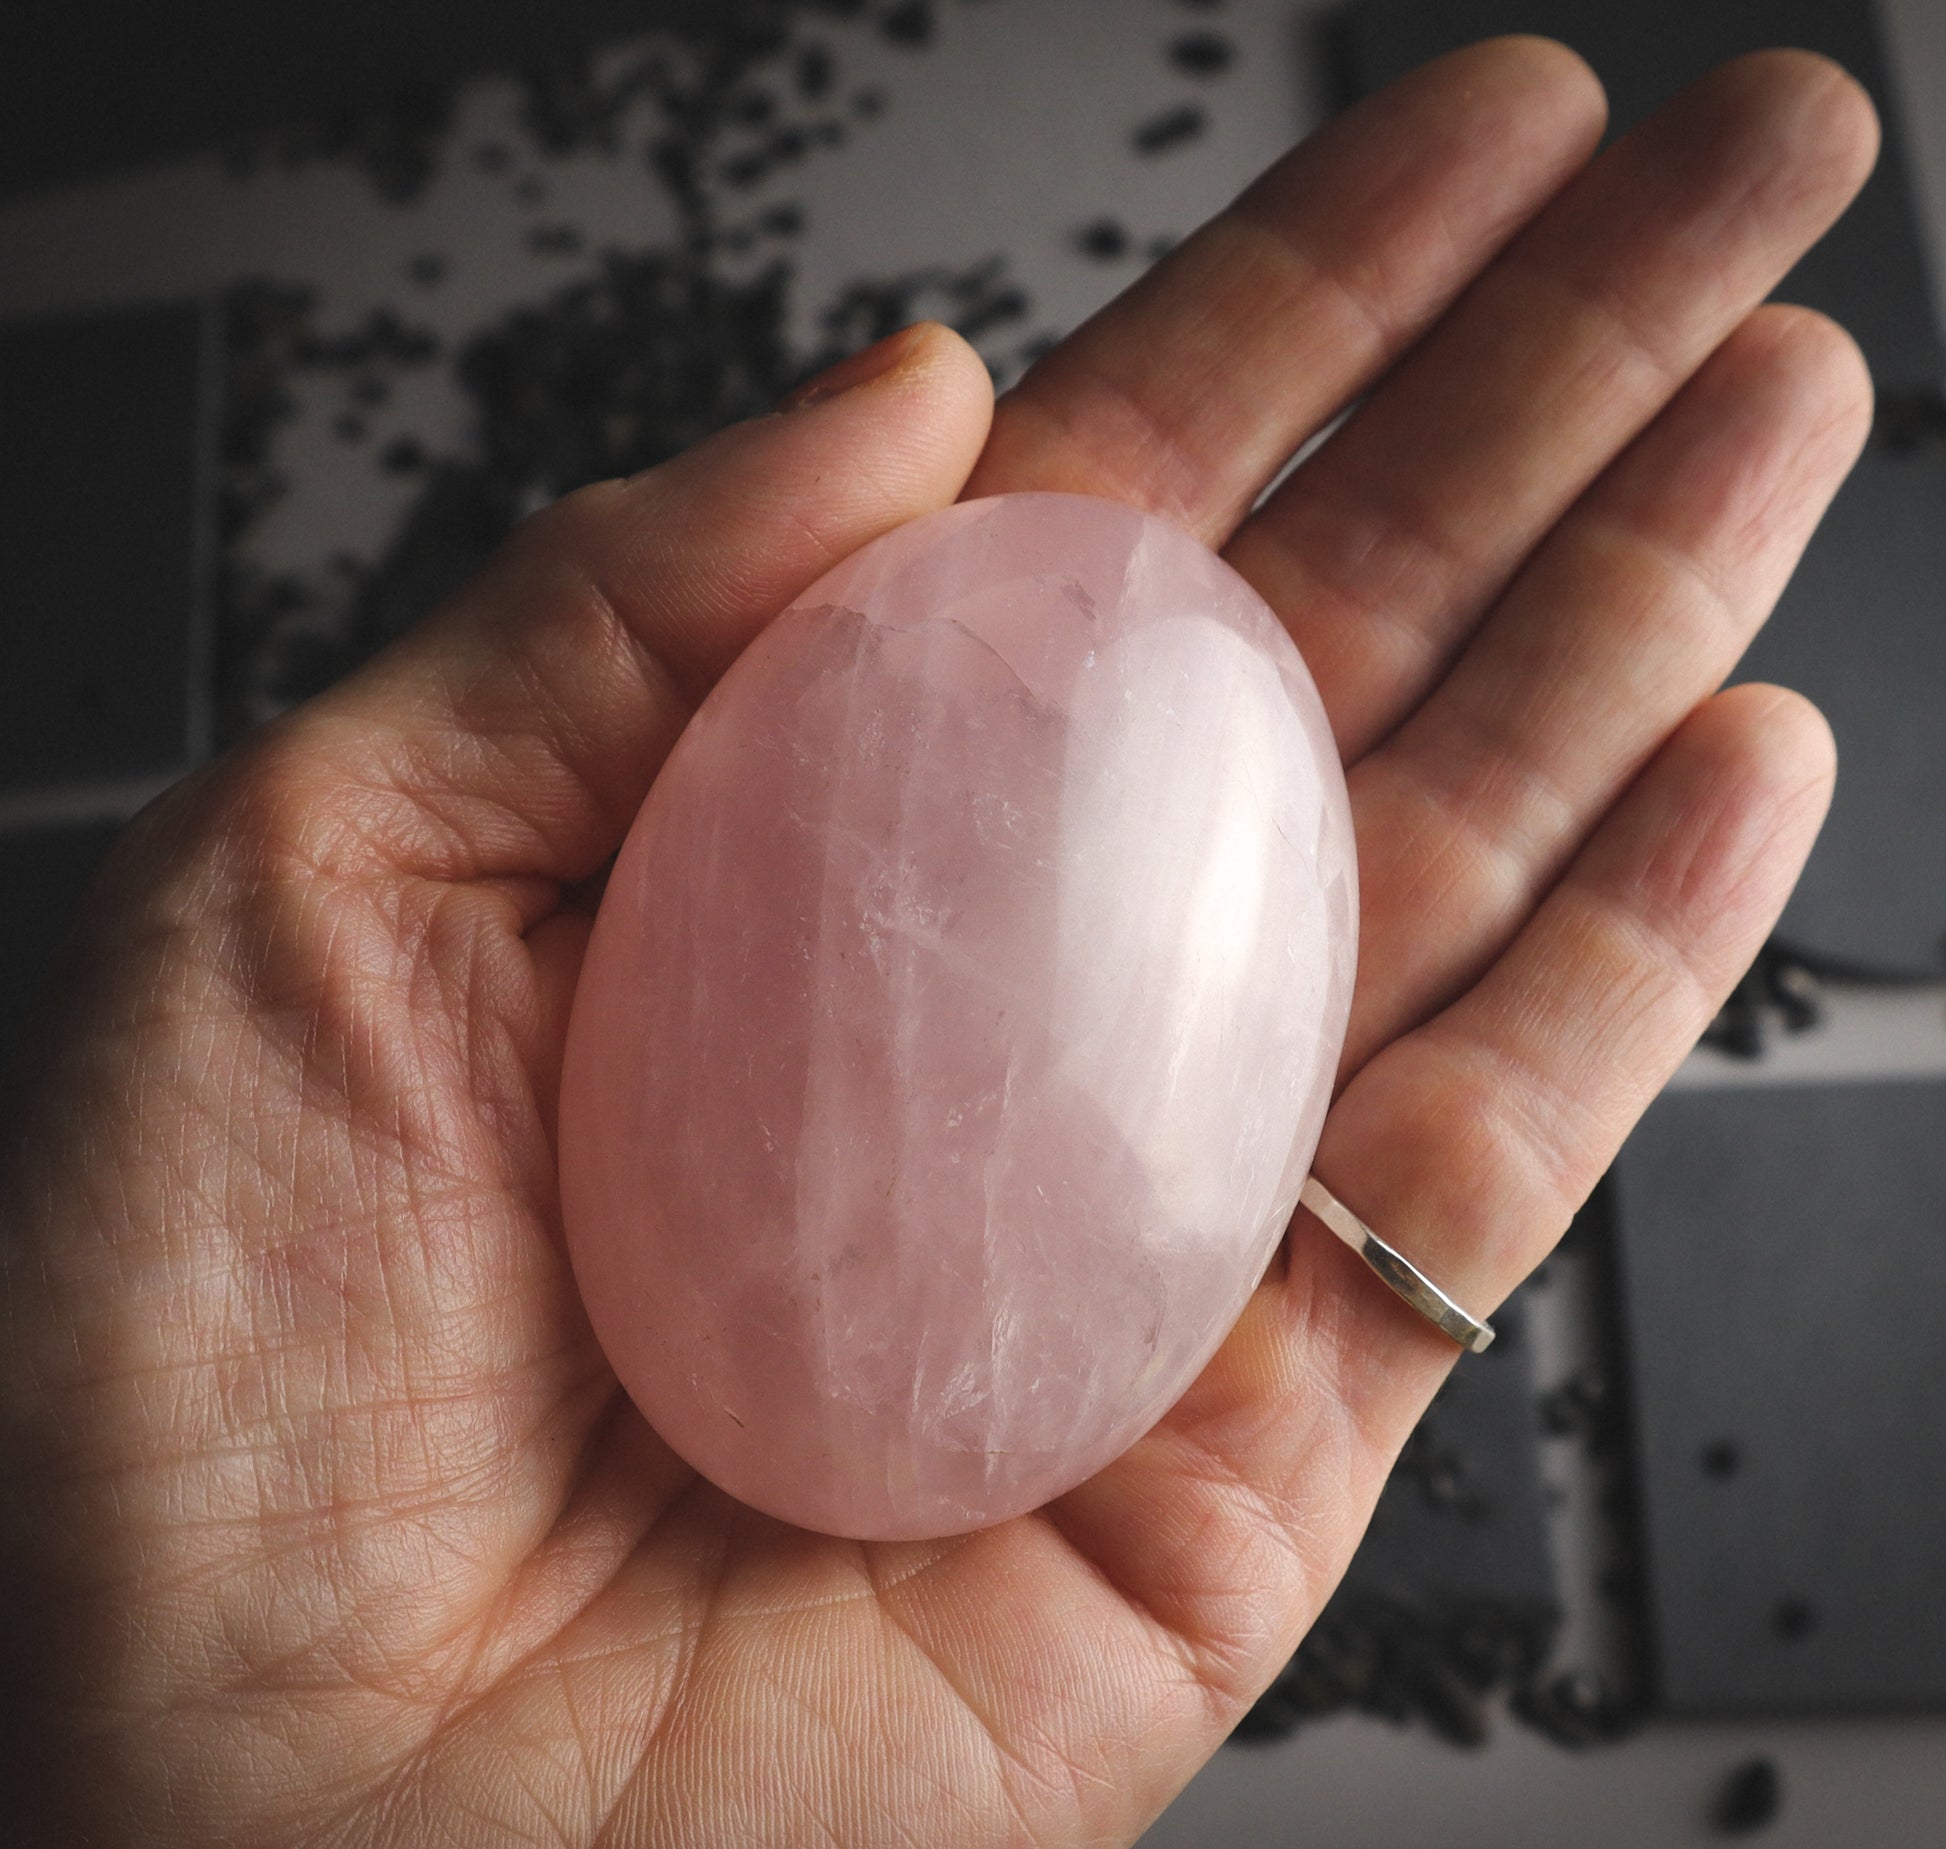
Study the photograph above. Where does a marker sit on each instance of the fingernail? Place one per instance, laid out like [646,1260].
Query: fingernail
[855,369]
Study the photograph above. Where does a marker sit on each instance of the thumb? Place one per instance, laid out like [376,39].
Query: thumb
[516,732]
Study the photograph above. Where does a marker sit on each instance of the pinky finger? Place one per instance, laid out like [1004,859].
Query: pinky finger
[1471,1142]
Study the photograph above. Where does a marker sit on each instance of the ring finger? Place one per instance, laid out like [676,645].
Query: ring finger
[1635,609]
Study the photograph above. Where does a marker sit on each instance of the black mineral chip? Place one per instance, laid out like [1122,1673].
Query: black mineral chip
[1170,129]
[816,71]
[402,456]
[1750,1799]
[1105,239]
[909,23]
[1202,54]
[1782,1262]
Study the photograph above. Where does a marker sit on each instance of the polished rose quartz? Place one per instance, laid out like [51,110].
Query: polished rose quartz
[960,1019]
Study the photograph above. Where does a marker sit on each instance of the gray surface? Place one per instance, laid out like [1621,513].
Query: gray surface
[100,433]
[1862,630]
[43,874]
[1783,1259]
[1362,1785]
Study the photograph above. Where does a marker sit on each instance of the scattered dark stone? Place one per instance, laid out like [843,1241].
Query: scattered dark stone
[1584,1406]
[264,323]
[1750,1798]
[568,110]
[1578,1709]
[369,389]
[1202,54]
[1430,1663]
[394,141]
[743,171]
[1784,981]
[560,240]
[972,301]
[615,373]
[1721,1459]
[402,456]
[1793,1619]
[909,23]
[383,338]
[348,428]
[619,370]
[815,71]
[673,162]
[1170,129]
[1104,240]
[1155,250]
[428,269]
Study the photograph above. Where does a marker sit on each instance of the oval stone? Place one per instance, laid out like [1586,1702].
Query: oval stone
[960,1019]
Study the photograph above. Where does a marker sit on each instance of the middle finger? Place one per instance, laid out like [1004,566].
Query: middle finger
[1383,551]
[1632,612]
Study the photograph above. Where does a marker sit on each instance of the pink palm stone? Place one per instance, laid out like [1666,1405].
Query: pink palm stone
[960,1019]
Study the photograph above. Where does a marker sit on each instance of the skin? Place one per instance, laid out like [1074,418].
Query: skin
[336,1526]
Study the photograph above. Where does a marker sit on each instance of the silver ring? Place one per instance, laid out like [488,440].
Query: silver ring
[1398,1271]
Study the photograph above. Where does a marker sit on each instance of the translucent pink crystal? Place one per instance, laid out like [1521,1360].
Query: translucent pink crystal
[960,1019]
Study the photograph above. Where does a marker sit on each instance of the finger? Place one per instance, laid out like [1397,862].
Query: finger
[1383,550]
[1468,1144]
[1471,1142]
[1187,394]
[1637,607]
[516,733]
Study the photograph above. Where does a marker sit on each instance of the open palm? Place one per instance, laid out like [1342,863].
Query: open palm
[338,1527]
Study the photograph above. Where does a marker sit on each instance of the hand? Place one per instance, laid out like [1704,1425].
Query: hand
[327,1518]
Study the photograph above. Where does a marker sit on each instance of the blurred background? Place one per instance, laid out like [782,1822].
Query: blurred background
[301,309]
